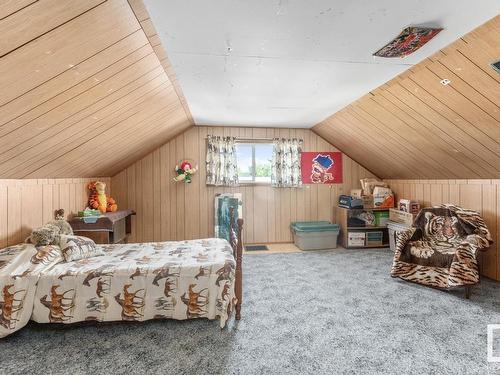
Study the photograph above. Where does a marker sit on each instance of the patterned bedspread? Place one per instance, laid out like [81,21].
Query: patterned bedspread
[132,282]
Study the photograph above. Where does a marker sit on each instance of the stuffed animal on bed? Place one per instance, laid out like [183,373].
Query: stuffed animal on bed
[98,199]
[50,233]
[61,222]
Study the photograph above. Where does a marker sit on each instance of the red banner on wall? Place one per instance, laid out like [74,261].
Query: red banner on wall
[321,167]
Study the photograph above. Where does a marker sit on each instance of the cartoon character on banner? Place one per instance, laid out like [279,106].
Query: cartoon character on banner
[320,169]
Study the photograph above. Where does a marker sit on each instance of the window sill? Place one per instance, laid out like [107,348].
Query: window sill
[247,183]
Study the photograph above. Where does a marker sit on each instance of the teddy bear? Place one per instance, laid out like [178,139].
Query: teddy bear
[50,233]
[98,199]
[61,222]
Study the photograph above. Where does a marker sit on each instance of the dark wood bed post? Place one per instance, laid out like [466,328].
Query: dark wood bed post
[237,245]
[239,273]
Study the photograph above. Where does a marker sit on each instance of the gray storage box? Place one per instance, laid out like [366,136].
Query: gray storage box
[394,227]
[315,235]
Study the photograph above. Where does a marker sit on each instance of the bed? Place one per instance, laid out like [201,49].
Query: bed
[131,282]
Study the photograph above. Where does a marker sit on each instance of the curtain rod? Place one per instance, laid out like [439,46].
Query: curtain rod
[238,139]
[243,139]
[246,139]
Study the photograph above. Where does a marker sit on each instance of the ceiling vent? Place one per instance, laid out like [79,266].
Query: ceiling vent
[496,66]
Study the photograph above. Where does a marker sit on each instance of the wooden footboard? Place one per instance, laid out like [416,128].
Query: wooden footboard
[237,246]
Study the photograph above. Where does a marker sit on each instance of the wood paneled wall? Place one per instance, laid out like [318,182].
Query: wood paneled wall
[30,203]
[84,88]
[154,39]
[415,127]
[479,195]
[167,210]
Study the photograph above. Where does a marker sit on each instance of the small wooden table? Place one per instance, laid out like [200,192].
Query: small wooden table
[111,227]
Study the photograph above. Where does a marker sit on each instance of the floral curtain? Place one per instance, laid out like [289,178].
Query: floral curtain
[285,171]
[222,166]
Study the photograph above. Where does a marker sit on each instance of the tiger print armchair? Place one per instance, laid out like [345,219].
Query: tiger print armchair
[441,249]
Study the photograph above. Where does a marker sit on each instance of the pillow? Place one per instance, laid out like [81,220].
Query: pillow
[46,255]
[78,247]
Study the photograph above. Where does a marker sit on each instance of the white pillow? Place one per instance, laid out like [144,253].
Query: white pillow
[78,247]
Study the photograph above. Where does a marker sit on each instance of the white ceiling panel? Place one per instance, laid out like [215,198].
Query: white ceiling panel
[293,63]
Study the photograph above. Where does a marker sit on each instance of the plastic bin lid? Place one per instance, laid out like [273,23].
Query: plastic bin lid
[307,223]
[314,226]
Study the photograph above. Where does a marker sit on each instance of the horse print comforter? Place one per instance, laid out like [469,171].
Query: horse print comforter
[441,250]
[131,282]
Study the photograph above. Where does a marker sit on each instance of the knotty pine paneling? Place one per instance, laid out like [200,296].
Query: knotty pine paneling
[414,127]
[29,203]
[147,25]
[40,21]
[175,211]
[480,195]
[86,89]
[9,7]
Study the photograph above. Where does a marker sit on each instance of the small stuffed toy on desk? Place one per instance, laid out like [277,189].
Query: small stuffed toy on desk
[98,199]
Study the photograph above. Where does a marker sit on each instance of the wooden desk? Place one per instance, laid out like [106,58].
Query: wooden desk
[111,227]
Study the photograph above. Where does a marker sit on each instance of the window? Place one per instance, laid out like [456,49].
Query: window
[254,162]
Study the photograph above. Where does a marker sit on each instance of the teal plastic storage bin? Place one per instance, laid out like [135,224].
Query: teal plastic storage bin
[315,235]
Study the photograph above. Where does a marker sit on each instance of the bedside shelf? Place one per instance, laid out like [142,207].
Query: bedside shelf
[346,213]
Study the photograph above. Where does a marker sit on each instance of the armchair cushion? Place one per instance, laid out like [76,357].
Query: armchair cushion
[441,250]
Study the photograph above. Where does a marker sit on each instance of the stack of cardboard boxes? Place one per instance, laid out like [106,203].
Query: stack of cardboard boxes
[376,194]
[401,219]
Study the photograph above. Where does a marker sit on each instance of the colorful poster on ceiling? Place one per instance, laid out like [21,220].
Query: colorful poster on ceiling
[407,42]
[321,167]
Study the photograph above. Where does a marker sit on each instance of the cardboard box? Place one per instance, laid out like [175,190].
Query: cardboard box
[356,193]
[381,218]
[408,205]
[381,191]
[367,201]
[369,184]
[386,201]
[346,201]
[374,238]
[356,239]
[401,217]
[375,201]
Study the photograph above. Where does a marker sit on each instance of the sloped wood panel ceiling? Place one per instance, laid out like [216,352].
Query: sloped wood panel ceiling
[414,127]
[83,90]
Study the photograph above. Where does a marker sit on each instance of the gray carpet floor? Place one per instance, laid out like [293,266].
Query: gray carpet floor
[496,343]
[331,312]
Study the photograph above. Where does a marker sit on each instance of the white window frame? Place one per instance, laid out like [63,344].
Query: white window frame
[253,143]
